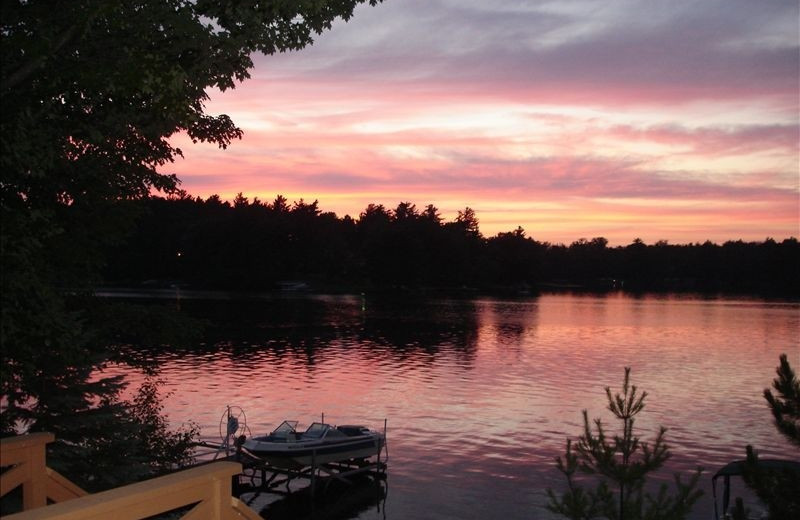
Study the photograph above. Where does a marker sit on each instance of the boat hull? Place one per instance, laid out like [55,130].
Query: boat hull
[296,455]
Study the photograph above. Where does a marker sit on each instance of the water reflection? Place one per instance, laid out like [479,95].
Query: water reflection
[481,394]
[333,500]
[308,330]
[511,320]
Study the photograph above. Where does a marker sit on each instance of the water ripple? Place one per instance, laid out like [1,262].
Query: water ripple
[481,395]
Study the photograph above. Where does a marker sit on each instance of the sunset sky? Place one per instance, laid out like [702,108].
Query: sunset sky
[670,120]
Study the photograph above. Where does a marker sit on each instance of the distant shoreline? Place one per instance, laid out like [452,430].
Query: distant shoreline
[189,293]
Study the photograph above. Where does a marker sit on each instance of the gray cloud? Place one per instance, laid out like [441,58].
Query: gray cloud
[697,49]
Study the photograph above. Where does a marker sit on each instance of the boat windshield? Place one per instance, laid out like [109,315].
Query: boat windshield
[316,431]
[285,428]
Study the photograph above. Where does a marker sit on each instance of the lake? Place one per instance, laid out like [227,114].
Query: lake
[481,394]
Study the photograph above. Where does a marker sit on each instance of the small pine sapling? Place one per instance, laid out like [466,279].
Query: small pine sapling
[620,463]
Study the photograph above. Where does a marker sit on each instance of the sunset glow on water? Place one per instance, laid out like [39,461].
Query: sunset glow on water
[457,221]
[480,395]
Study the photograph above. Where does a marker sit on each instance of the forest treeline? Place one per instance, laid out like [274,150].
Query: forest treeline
[255,245]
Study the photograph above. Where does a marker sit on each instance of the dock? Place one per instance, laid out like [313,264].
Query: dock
[226,487]
[259,476]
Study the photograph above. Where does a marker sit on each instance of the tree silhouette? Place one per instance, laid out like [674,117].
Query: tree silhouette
[240,201]
[621,463]
[779,488]
[513,259]
[431,213]
[405,211]
[280,204]
[84,133]
[254,245]
[468,221]
[785,406]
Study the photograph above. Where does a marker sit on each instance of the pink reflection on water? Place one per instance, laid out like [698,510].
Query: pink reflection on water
[481,408]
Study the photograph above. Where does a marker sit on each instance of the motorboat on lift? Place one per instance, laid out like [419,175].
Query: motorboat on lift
[320,443]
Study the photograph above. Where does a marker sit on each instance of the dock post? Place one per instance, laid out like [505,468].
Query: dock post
[385,444]
[313,472]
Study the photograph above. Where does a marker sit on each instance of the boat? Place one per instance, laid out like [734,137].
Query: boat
[320,443]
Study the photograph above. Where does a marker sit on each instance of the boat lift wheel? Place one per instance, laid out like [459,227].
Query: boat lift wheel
[232,425]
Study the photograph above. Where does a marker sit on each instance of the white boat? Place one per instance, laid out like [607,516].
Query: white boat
[320,444]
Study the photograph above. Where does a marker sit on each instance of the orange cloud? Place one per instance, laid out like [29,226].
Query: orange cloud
[665,126]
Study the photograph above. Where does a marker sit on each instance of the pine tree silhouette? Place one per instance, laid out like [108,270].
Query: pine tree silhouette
[779,488]
[621,463]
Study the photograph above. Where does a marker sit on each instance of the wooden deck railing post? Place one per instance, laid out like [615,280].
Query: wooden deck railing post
[217,496]
[26,453]
[34,491]
[207,488]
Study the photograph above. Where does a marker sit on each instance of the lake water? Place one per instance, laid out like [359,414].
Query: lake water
[481,394]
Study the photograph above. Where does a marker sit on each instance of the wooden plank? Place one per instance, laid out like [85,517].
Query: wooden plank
[34,489]
[242,511]
[25,441]
[15,450]
[27,453]
[201,511]
[144,498]
[59,488]
[14,477]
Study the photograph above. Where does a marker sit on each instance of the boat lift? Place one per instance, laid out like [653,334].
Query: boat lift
[259,476]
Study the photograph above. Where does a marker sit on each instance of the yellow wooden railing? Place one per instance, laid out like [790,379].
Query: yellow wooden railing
[26,456]
[206,488]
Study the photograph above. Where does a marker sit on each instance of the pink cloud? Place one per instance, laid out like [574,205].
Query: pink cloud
[675,122]
[718,141]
